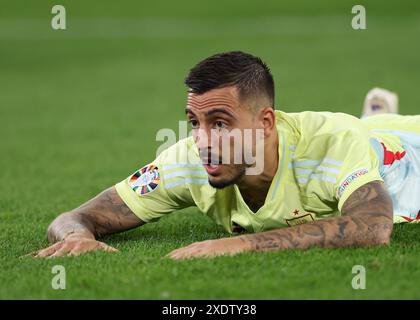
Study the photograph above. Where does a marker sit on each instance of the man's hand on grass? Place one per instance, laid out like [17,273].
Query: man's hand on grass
[73,245]
[74,233]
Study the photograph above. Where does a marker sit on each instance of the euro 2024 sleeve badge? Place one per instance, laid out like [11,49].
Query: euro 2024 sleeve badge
[145,180]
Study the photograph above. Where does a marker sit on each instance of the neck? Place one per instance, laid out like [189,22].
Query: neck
[254,188]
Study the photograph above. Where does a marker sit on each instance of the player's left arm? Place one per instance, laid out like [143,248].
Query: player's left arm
[367,220]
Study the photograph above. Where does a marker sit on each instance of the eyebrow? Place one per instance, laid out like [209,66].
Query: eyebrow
[188,111]
[213,111]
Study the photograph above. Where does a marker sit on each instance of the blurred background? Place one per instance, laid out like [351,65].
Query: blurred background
[80,108]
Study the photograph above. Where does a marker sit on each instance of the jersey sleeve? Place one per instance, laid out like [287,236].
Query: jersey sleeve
[152,193]
[342,156]
[359,168]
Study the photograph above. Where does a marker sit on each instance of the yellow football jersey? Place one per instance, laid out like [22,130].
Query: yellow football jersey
[323,158]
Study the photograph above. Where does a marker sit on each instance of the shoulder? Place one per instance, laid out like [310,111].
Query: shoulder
[324,127]
[183,151]
[326,122]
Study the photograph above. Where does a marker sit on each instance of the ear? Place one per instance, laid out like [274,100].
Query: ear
[268,120]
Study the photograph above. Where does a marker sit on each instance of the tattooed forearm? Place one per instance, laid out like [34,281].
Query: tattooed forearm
[104,214]
[366,221]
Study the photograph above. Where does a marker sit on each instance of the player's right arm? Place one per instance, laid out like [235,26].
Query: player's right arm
[75,232]
[153,191]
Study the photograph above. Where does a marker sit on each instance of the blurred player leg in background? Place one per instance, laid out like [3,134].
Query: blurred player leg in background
[380,101]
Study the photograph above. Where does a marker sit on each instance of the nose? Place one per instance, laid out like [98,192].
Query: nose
[202,139]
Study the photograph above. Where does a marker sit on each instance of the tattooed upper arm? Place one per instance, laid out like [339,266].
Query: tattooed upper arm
[371,209]
[109,212]
[370,200]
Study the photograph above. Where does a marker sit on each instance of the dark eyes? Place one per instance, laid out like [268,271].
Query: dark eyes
[194,123]
[220,124]
[217,124]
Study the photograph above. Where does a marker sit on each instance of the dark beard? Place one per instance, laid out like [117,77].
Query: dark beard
[224,184]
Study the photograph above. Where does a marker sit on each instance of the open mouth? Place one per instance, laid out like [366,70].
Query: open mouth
[211,165]
[212,169]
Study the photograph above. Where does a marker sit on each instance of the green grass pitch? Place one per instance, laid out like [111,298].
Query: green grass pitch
[80,109]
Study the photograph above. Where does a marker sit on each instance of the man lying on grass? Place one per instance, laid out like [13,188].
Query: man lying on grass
[316,180]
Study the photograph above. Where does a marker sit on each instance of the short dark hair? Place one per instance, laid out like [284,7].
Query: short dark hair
[248,73]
